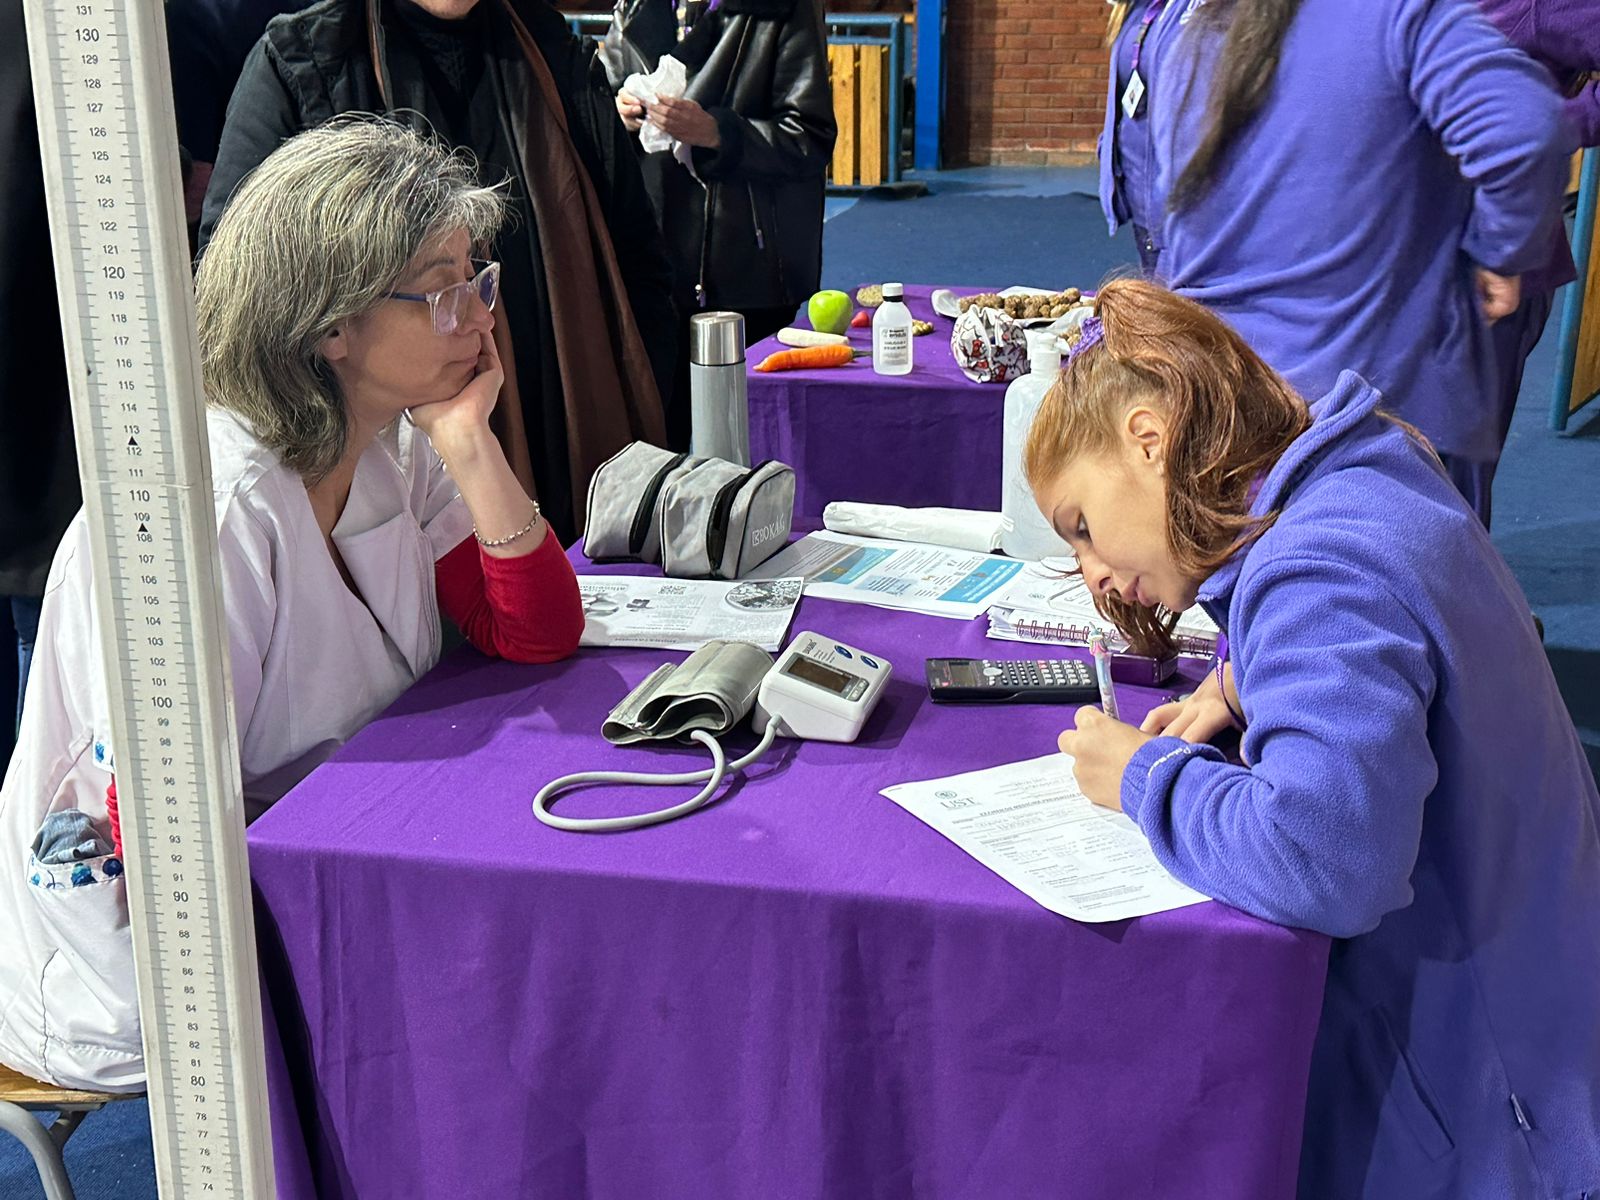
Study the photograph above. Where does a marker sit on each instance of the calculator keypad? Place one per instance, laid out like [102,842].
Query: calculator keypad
[1017,673]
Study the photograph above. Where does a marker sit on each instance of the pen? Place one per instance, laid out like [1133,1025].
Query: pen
[1102,674]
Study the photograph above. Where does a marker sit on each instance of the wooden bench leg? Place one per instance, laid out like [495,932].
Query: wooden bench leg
[46,1151]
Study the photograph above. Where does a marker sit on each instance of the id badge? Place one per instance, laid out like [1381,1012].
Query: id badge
[1132,96]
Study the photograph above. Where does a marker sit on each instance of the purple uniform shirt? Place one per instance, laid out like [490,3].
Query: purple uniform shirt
[1403,142]
[1128,188]
[1418,790]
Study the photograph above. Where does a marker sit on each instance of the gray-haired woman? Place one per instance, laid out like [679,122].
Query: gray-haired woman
[345,332]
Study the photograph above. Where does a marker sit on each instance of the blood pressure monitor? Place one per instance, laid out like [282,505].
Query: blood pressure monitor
[818,689]
[821,689]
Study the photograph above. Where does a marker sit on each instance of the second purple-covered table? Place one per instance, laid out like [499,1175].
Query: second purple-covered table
[928,439]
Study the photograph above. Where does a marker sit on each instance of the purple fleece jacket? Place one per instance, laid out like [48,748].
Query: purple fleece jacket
[1564,36]
[1402,143]
[1418,790]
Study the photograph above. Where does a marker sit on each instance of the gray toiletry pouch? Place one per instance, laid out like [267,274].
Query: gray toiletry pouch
[621,524]
[721,519]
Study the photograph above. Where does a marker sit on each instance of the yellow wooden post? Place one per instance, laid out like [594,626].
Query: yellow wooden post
[1586,365]
[873,116]
[846,82]
[1578,342]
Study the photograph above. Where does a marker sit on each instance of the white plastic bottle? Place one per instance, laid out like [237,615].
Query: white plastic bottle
[891,333]
[1030,535]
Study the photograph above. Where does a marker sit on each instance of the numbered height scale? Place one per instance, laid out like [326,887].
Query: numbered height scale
[103,92]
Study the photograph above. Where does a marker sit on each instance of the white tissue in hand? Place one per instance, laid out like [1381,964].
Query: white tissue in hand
[666,82]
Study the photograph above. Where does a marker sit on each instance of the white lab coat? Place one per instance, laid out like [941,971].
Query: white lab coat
[311,664]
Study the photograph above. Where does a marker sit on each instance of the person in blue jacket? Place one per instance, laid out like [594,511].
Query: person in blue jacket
[1411,784]
[1360,187]
[1137,32]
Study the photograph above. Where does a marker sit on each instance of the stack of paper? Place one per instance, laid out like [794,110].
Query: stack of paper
[1045,604]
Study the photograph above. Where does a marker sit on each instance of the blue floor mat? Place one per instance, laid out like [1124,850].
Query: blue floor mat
[962,237]
[108,1158]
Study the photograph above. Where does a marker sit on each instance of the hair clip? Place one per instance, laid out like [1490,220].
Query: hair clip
[1091,333]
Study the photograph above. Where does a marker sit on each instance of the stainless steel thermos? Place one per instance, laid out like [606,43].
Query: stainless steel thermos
[719,413]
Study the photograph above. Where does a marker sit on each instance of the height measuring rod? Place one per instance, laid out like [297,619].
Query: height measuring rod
[103,90]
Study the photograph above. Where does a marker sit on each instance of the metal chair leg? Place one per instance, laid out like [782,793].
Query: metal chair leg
[66,1124]
[46,1152]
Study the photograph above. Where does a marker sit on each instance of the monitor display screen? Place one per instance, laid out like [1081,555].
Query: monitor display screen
[824,676]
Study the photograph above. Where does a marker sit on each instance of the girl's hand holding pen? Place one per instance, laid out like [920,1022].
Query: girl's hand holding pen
[1100,748]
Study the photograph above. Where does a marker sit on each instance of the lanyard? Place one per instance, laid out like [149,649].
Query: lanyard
[1150,14]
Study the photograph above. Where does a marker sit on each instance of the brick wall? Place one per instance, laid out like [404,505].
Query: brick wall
[1025,80]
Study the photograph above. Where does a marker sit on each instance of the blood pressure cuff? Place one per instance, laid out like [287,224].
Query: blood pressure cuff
[712,690]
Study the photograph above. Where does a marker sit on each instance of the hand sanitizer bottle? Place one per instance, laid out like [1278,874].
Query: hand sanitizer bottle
[891,333]
[1029,535]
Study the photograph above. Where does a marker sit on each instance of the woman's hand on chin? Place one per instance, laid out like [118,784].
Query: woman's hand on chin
[462,421]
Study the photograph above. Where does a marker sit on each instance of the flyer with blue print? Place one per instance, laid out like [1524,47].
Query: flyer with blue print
[907,576]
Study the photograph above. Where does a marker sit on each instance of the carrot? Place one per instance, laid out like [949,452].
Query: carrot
[810,356]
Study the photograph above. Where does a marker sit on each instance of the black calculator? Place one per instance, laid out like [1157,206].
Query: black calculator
[1011,681]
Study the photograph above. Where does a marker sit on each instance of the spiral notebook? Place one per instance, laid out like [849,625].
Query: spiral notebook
[1046,605]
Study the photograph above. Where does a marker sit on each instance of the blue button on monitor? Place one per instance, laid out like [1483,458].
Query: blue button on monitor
[843,652]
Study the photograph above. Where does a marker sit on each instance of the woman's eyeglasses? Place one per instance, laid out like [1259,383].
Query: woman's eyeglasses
[448,306]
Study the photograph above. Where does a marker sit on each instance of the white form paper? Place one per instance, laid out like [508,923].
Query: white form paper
[1029,823]
[685,614]
[909,576]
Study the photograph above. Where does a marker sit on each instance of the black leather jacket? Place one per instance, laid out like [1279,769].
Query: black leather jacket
[750,235]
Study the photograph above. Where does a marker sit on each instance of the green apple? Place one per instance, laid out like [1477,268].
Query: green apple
[829,312]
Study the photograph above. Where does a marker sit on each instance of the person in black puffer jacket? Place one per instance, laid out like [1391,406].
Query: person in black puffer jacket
[744,227]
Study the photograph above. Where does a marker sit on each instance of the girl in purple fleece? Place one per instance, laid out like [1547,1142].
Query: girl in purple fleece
[1414,787]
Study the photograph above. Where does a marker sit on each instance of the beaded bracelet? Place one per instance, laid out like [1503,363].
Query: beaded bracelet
[506,541]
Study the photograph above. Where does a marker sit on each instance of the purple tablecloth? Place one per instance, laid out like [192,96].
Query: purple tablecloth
[930,438]
[801,991]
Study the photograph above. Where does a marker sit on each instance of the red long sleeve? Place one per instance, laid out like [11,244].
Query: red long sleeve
[523,609]
[114,817]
